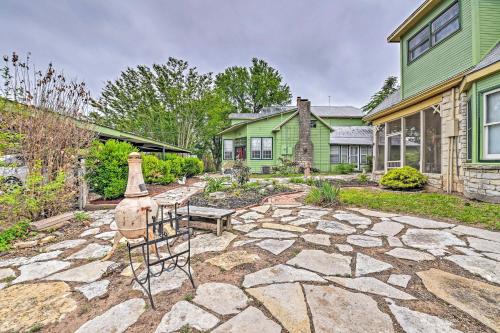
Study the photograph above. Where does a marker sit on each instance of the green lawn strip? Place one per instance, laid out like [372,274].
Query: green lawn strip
[425,204]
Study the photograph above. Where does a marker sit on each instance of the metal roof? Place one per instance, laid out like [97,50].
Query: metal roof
[320,111]
[389,101]
[492,57]
[352,135]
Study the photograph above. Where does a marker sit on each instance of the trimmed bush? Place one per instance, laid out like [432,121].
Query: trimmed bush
[176,164]
[156,171]
[192,166]
[107,167]
[405,178]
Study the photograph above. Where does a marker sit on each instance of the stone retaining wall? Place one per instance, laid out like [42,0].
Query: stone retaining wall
[482,182]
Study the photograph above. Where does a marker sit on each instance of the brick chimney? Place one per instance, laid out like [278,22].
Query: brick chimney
[304,147]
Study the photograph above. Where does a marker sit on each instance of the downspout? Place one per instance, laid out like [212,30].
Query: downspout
[451,144]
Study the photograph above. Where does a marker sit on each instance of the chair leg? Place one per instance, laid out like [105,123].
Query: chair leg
[219,227]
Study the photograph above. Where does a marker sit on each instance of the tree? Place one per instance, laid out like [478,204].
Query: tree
[390,86]
[251,89]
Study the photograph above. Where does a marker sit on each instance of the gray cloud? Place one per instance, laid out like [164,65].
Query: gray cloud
[321,47]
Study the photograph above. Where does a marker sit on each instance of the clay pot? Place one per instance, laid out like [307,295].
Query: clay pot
[130,213]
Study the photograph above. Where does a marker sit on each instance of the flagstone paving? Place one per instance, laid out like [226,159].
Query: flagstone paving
[284,268]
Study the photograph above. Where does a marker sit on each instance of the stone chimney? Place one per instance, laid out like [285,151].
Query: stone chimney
[304,147]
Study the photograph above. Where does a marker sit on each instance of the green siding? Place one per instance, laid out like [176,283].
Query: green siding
[444,60]
[344,121]
[489,25]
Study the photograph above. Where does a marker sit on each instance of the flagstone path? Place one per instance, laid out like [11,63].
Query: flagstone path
[285,267]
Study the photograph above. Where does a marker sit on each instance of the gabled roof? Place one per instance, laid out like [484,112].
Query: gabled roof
[320,111]
[352,135]
[415,17]
[278,127]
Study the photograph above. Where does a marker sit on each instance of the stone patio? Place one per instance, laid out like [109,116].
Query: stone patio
[295,268]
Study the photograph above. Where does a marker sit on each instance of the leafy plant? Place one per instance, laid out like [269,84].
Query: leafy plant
[343,168]
[325,194]
[81,216]
[107,167]
[214,184]
[286,167]
[405,178]
[297,180]
[363,178]
[7,236]
[241,172]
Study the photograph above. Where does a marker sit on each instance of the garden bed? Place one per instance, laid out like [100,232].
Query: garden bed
[352,183]
[239,197]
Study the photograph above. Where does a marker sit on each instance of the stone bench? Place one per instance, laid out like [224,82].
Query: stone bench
[208,218]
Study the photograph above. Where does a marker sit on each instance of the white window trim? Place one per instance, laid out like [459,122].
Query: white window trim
[487,155]
[224,150]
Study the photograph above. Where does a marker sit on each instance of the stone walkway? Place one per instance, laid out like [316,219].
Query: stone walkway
[285,267]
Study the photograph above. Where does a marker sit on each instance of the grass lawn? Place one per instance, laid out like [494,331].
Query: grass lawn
[425,204]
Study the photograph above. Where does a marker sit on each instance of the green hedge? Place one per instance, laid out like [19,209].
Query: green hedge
[107,168]
[405,178]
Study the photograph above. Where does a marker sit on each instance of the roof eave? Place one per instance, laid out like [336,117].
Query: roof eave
[410,22]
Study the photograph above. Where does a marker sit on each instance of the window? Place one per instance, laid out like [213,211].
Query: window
[353,155]
[492,124]
[445,24]
[469,130]
[432,141]
[262,148]
[412,141]
[335,154]
[228,149]
[344,155]
[365,152]
[441,27]
[312,123]
[394,144]
[380,148]
[418,44]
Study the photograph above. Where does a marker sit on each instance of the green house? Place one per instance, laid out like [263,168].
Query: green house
[445,118]
[337,133]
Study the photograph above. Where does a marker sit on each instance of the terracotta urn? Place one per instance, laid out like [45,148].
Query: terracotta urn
[130,213]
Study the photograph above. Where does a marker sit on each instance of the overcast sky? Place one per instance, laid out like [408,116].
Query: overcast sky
[322,48]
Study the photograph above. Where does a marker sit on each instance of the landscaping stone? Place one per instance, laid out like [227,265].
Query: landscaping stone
[494,256]
[400,280]
[371,233]
[286,303]
[184,314]
[373,213]
[486,268]
[245,227]
[319,239]
[394,241]
[333,227]
[207,243]
[366,265]
[484,245]
[221,298]
[275,246]
[353,219]
[3,285]
[422,223]
[251,216]
[18,261]
[480,300]
[229,260]
[94,289]
[410,254]
[323,262]
[313,213]
[127,272]
[388,228]
[86,273]
[279,274]
[261,209]
[67,244]
[44,256]
[476,232]
[165,282]
[466,251]
[364,241]
[335,310]
[251,320]
[90,232]
[91,251]
[268,233]
[371,285]
[7,273]
[282,212]
[418,322]
[106,235]
[25,244]
[287,219]
[302,221]
[117,319]
[217,195]
[40,270]
[244,242]
[26,305]
[438,252]
[344,247]
[102,221]
[284,227]
[430,239]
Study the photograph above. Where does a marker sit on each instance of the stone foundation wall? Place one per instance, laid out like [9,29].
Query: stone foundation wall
[482,182]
